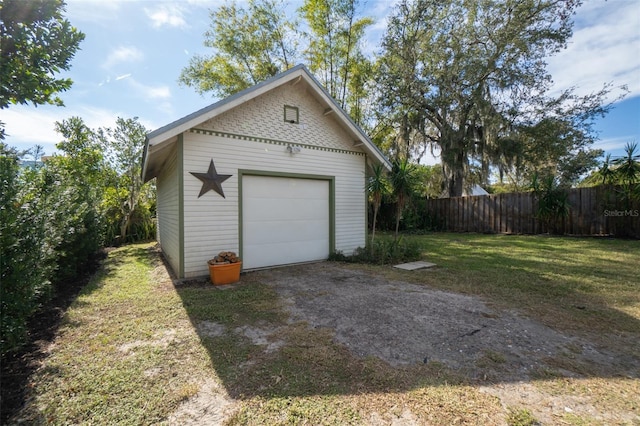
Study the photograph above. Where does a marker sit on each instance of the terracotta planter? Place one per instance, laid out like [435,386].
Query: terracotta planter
[224,273]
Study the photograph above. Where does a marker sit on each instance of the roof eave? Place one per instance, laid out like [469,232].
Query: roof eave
[368,144]
[217,108]
[300,71]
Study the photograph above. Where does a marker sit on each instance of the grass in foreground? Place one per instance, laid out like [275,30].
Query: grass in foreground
[123,354]
[133,348]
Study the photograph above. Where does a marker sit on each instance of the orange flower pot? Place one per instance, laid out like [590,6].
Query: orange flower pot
[225,273]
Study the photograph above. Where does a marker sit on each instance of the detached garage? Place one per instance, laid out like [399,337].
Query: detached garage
[275,173]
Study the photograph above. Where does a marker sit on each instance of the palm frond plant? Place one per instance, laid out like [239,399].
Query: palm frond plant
[553,202]
[627,171]
[377,186]
[606,171]
[403,177]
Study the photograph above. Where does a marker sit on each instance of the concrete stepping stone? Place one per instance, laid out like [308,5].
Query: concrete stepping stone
[412,266]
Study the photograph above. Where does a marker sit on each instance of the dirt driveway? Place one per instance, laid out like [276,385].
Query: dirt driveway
[404,323]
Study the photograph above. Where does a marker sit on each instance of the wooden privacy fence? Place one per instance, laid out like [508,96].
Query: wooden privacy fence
[593,211]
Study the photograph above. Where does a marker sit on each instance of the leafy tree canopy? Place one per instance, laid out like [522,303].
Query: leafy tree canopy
[334,51]
[466,79]
[37,43]
[125,145]
[469,77]
[249,46]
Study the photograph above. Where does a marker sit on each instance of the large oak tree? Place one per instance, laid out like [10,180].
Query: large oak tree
[469,78]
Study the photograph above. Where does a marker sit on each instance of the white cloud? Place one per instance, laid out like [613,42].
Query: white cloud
[122,77]
[158,92]
[171,15]
[123,54]
[98,117]
[105,81]
[208,3]
[151,92]
[604,52]
[100,12]
[27,126]
[613,144]
[166,108]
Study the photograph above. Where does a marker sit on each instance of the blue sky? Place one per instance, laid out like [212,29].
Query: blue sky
[133,53]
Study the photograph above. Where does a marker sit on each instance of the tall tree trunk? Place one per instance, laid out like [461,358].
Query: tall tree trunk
[348,54]
[124,227]
[373,230]
[399,209]
[453,165]
[456,182]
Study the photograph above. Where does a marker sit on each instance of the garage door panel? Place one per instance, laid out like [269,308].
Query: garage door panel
[302,252]
[285,220]
[277,231]
[287,187]
[287,209]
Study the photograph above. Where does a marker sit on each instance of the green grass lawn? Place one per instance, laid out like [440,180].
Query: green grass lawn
[135,349]
[589,285]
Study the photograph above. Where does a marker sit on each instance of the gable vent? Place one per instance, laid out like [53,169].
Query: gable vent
[291,114]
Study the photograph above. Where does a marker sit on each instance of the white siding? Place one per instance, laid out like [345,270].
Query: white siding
[168,212]
[211,222]
[264,117]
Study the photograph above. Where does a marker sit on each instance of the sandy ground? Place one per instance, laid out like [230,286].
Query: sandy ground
[403,323]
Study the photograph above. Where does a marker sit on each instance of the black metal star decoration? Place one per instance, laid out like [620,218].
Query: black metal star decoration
[211,180]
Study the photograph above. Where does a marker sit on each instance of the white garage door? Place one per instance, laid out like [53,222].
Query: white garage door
[284,220]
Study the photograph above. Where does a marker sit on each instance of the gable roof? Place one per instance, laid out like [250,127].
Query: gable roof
[158,139]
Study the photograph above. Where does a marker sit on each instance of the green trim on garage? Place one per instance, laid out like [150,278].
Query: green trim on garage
[273,141]
[180,171]
[332,200]
[366,201]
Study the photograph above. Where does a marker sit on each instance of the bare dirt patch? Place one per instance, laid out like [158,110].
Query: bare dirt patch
[261,337]
[161,340]
[210,406]
[405,324]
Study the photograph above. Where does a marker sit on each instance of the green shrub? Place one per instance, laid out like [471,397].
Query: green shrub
[143,225]
[54,217]
[74,223]
[383,251]
[50,226]
[553,203]
[25,257]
